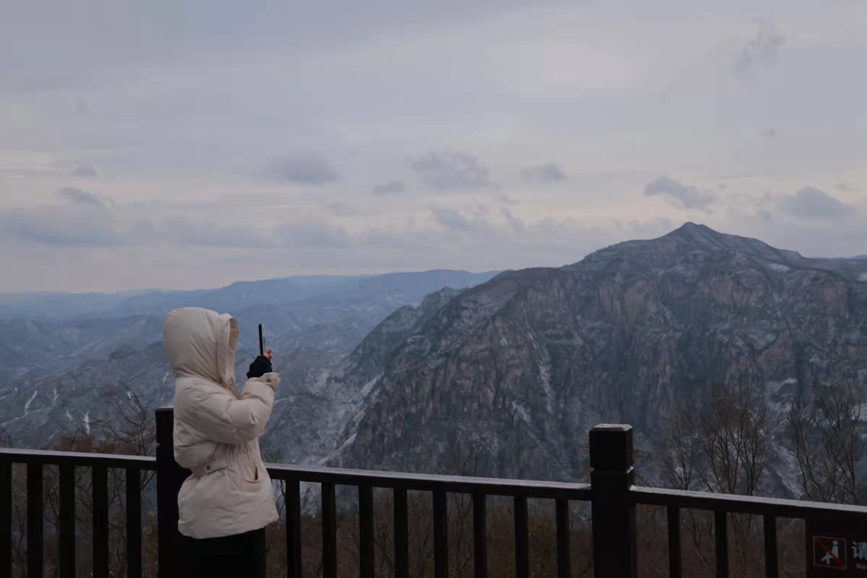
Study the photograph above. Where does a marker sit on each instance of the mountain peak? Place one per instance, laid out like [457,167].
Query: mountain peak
[704,238]
[696,233]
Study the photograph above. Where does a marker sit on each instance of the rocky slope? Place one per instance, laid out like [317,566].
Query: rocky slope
[54,374]
[514,372]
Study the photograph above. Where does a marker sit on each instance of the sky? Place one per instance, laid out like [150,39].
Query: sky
[193,143]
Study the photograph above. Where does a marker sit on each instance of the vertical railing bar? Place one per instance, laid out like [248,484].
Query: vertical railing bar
[293,528]
[721,534]
[480,535]
[564,562]
[100,521]
[329,531]
[35,517]
[675,554]
[133,523]
[5,518]
[770,532]
[401,534]
[522,542]
[365,528]
[441,534]
[67,521]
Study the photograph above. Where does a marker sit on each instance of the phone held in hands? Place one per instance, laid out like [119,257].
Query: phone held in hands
[262,339]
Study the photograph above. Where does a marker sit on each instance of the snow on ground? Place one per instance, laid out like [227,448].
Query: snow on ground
[29,401]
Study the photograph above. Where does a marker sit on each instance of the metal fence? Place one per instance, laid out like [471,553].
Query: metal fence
[612,495]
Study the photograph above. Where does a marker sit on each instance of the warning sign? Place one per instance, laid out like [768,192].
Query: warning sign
[829,552]
[836,549]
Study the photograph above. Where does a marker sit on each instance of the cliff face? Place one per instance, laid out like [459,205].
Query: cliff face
[514,372]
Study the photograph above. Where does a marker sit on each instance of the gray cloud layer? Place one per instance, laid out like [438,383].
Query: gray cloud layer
[545,174]
[761,49]
[85,171]
[685,196]
[76,196]
[450,171]
[304,168]
[389,188]
[813,203]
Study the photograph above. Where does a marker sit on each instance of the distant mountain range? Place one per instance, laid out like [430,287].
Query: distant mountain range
[49,342]
[511,369]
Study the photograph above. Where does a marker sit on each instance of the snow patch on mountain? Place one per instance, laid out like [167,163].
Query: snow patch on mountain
[29,401]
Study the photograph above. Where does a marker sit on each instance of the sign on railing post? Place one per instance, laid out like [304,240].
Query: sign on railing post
[836,548]
[611,458]
[170,477]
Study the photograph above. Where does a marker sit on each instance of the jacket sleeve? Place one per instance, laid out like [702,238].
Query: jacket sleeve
[223,418]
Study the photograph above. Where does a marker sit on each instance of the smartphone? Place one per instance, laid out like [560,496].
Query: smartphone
[261,339]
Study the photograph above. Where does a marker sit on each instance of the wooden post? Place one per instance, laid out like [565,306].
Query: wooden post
[611,457]
[170,477]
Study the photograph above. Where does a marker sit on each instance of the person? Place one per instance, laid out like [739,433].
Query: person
[227,501]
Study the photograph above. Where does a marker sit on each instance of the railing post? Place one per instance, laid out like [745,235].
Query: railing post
[170,477]
[611,458]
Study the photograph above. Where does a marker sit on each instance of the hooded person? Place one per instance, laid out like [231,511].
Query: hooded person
[228,499]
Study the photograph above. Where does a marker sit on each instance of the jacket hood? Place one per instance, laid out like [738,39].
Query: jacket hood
[201,343]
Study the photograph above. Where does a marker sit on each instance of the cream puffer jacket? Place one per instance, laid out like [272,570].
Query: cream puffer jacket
[216,429]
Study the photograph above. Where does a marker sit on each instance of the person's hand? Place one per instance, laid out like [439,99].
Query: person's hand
[260,366]
[269,354]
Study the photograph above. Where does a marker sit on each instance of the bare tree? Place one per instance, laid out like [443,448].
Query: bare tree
[826,434]
[722,444]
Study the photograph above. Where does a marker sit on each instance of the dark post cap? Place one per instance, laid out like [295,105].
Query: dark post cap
[611,447]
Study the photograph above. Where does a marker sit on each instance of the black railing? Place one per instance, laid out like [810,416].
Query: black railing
[68,463]
[612,496]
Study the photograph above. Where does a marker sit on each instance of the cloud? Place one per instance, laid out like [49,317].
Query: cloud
[202,233]
[685,196]
[85,171]
[515,224]
[389,188]
[342,209]
[73,227]
[313,235]
[760,50]
[305,168]
[455,221]
[546,174]
[87,221]
[76,196]
[813,203]
[449,171]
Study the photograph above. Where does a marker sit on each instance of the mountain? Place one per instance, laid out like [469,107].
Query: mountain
[306,292]
[64,365]
[512,373]
[507,376]
[35,348]
[329,313]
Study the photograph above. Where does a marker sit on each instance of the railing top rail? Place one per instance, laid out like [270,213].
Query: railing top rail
[25,456]
[745,504]
[431,482]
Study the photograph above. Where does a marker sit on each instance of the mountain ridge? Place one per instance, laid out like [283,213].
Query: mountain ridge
[516,370]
